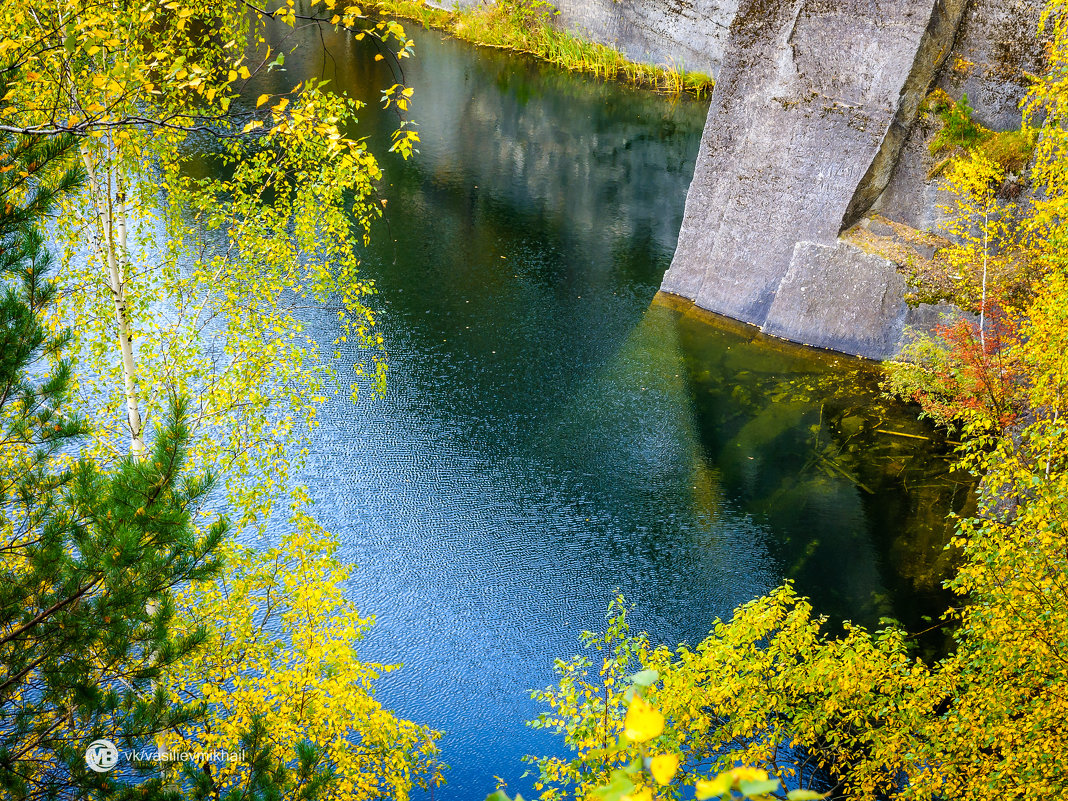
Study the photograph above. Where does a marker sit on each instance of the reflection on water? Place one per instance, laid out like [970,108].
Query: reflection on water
[855,489]
[553,434]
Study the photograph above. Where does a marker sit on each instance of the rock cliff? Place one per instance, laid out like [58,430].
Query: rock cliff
[810,111]
[811,126]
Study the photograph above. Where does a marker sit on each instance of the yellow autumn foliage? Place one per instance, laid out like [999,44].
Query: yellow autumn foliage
[778,691]
[282,649]
[206,223]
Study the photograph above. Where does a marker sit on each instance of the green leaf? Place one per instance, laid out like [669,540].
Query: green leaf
[645,678]
[618,787]
[759,788]
[804,795]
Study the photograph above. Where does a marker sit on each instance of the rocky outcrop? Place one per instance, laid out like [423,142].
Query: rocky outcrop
[811,126]
[842,298]
[997,48]
[929,57]
[807,118]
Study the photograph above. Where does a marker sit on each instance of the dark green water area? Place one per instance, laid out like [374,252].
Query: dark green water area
[552,434]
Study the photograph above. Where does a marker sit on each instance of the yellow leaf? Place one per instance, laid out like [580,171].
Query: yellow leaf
[243,72]
[663,767]
[749,775]
[378,56]
[262,99]
[642,722]
[721,785]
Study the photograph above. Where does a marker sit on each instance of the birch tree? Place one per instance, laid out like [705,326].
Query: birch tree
[179,284]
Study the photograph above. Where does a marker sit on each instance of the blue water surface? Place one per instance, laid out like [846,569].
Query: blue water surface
[552,435]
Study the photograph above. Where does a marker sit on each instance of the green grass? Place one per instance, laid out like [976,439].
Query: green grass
[1010,150]
[526,26]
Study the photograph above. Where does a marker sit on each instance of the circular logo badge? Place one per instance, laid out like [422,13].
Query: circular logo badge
[101,755]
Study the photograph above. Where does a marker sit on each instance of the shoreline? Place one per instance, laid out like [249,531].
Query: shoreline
[524,26]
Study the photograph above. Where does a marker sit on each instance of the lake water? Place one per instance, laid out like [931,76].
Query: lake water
[553,434]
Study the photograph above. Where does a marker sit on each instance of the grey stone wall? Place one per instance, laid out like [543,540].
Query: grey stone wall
[997,47]
[810,108]
[841,298]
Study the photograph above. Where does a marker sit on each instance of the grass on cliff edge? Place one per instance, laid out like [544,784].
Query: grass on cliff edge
[1010,150]
[526,26]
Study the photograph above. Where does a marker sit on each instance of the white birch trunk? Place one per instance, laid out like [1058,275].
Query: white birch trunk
[982,302]
[111,245]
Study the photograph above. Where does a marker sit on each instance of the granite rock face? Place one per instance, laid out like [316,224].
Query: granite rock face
[996,48]
[849,299]
[808,116]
